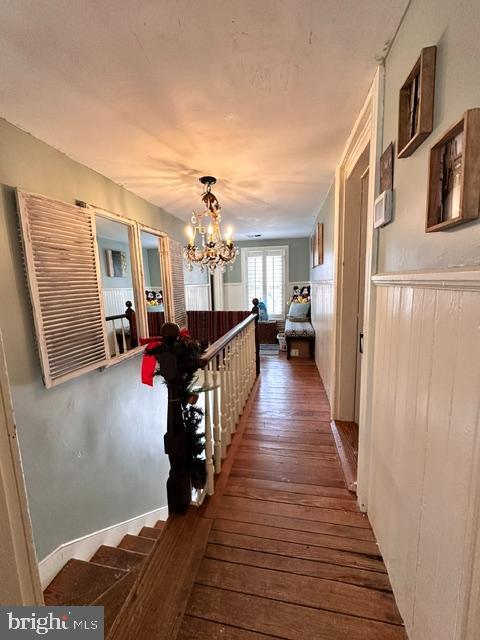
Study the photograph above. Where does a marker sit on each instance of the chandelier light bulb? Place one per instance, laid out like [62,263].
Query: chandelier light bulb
[190,234]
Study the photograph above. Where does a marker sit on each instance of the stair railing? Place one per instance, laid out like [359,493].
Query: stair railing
[229,368]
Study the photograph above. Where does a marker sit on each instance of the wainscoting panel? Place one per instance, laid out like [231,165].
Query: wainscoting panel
[234,296]
[114,300]
[424,489]
[197,297]
[322,320]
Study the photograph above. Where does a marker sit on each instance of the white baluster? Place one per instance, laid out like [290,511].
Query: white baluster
[223,401]
[209,487]
[234,389]
[124,341]
[116,346]
[238,380]
[217,442]
[251,336]
[244,369]
[229,394]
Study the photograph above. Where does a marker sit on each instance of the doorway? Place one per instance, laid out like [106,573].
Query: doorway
[352,373]
[350,328]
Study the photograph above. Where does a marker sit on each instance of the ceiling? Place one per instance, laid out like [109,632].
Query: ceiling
[154,94]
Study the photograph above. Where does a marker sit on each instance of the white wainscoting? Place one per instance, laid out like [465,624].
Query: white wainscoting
[234,296]
[197,297]
[84,548]
[114,300]
[322,320]
[424,487]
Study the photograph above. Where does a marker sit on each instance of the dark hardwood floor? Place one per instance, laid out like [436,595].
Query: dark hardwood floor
[287,552]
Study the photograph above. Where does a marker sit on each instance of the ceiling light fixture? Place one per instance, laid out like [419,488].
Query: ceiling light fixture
[214,250]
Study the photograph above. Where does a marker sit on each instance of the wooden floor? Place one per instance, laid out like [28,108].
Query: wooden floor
[289,555]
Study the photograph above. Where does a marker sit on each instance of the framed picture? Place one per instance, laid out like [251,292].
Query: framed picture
[416,100]
[116,263]
[318,245]
[382,213]
[313,251]
[453,184]
[386,169]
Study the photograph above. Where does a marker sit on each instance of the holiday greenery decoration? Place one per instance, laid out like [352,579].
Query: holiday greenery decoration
[192,418]
[174,356]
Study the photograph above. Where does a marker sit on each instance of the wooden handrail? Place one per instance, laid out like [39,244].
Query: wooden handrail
[117,317]
[215,348]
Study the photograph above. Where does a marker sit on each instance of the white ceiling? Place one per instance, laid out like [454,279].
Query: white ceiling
[156,93]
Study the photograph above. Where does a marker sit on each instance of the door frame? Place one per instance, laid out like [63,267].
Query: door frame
[366,131]
[19,564]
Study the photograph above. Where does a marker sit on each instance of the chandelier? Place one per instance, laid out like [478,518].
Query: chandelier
[213,250]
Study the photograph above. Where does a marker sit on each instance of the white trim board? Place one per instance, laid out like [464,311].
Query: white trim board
[84,548]
[460,279]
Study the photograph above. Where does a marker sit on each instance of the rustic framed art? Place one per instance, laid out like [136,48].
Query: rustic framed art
[416,103]
[454,176]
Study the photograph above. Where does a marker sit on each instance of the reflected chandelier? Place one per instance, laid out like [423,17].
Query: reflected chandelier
[214,250]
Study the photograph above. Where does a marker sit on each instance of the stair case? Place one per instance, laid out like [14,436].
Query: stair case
[106,579]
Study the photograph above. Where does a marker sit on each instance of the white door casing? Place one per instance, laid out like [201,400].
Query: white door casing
[20,581]
[366,131]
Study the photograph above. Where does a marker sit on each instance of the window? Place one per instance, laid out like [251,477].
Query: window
[265,277]
[84,272]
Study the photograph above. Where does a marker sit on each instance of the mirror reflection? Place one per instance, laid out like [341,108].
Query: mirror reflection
[153,283]
[117,285]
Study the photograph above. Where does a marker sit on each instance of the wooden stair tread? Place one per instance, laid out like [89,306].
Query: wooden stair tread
[160,524]
[156,604]
[117,558]
[80,583]
[150,532]
[136,543]
[114,598]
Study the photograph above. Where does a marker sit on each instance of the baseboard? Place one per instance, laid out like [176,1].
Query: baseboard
[83,548]
[347,457]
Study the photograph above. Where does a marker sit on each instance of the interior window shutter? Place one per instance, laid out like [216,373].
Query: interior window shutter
[255,275]
[62,271]
[175,300]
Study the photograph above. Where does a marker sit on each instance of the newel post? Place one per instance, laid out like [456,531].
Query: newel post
[179,491]
[256,312]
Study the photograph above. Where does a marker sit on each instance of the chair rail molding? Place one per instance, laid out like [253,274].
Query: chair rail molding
[457,279]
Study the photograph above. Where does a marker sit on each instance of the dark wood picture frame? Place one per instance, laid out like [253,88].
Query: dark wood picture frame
[416,104]
[313,250]
[454,175]
[386,168]
[319,243]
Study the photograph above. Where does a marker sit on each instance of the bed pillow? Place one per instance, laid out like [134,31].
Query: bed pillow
[298,311]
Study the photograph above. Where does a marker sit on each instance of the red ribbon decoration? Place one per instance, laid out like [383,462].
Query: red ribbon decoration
[149,362]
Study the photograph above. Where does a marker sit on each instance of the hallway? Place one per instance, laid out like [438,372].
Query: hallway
[289,554]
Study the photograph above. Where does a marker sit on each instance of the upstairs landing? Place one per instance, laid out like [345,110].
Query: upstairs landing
[281,550]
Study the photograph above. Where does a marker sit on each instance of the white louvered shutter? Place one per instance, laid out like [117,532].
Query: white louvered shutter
[275,281]
[175,298]
[254,275]
[266,277]
[62,270]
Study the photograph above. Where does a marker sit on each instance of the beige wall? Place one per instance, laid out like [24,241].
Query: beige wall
[454,28]
[93,447]
[424,491]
